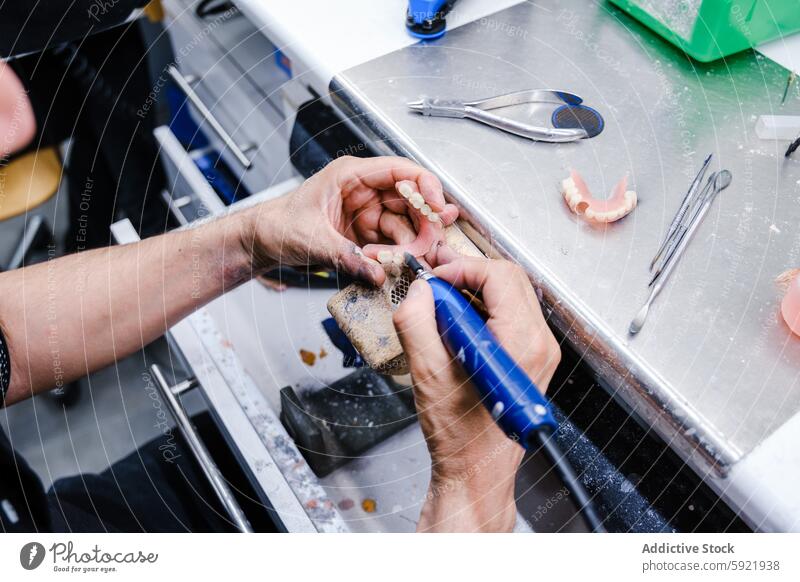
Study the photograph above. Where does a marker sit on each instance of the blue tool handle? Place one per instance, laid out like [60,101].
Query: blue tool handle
[505,389]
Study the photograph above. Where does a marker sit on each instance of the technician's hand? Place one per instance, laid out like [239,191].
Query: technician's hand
[343,215]
[474,463]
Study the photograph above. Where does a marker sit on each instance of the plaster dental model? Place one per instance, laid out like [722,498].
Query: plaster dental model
[391,262]
[790,306]
[581,202]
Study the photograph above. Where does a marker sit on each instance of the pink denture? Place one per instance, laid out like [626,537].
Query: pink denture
[790,307]
[581,201]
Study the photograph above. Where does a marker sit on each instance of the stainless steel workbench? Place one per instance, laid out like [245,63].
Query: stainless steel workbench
[714,371]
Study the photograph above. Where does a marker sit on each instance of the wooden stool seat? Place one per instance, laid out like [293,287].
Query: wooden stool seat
[29,181]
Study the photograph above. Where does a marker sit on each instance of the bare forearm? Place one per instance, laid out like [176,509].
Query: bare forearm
[67,317]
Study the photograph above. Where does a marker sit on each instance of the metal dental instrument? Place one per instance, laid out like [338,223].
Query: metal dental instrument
[687,201]
[672,239]
[588,121]
[721,181]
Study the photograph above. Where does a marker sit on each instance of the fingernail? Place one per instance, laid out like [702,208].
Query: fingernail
[415,288]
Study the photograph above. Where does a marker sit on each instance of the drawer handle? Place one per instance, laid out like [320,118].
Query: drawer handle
[201,454]
[186,88]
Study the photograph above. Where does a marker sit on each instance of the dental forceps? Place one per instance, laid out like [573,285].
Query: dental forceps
[588,121]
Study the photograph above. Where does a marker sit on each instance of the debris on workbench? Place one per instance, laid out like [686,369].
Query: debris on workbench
[309,358]
[581,202]
[369,505]
[346,504]
[322,353]
[790,306]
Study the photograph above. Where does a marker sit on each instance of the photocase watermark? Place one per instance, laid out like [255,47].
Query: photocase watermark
[168,448]
[65,558]
[504,27]
[100,8]
[181,53]
[31,555]
[196,261]
[83,218]
[471,471]
[482,85]
[544,508]
[51,314]
[10,137]
[576,30]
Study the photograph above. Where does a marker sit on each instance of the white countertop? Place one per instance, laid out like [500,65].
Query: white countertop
[324,38]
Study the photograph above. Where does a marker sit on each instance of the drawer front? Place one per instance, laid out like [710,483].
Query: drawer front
[246,102]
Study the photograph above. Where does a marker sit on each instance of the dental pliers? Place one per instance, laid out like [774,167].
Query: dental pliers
[480,111]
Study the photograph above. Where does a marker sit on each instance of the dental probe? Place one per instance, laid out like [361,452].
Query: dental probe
[721,181]
[688,199]
[511,397]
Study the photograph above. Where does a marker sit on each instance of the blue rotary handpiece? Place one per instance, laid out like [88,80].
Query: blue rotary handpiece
[425,19]
[505,389]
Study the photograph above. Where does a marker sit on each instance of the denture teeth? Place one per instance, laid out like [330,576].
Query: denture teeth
[416,200]
[385,257]
[433,217]
[397,259]
[405,190]
[425,210]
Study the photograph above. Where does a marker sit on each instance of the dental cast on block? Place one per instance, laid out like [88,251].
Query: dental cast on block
[417,201]
[391,262]
[581,202]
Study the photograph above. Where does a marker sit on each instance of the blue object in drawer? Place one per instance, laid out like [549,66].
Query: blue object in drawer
[220,177]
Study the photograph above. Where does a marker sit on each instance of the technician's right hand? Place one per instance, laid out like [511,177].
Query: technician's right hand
[474,464]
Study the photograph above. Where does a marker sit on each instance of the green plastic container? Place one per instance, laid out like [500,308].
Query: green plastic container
[711,29]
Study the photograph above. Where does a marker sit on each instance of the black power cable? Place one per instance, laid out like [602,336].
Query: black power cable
[571,481]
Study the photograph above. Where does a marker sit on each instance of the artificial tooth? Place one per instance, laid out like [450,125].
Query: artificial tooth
[433,217]
[405,190]
[416,200]
[397,259]
[425,210]
[385,257]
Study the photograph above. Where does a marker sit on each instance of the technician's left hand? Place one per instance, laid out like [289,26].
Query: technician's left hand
[343,215]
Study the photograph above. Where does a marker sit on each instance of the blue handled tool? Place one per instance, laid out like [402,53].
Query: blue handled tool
[425,19]
[505,389]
